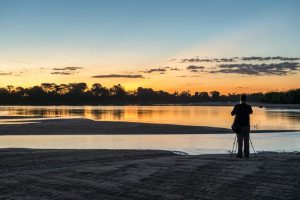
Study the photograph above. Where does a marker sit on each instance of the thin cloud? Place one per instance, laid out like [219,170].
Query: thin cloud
[66,68]
[193,60]
[160,70]
[256,58]
[13,73]
[194,68]
[225,59]
[6,73]
[119,76]
[174,69]
[275,69]
[191,67]
[62,73]
[234,59]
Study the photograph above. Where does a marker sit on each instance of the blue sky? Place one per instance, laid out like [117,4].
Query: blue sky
[127,35]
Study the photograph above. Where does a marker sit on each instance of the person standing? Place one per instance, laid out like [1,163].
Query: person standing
[242,113]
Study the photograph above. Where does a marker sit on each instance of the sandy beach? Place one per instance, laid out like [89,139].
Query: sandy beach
[81,126]
[86,126]
[145,174]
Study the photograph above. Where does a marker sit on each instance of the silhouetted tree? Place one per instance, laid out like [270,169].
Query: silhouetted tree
[48,87]
[146,95]
[10,88]
[215,95]
[36,95]
[79,93]
[99,91]
[118,92]
[185,96]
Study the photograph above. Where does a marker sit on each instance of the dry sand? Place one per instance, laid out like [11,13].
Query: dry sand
[134,174]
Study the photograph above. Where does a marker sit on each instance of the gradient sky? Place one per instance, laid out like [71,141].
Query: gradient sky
[130,37]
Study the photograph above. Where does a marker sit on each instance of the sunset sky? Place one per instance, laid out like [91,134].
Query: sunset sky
[229,46]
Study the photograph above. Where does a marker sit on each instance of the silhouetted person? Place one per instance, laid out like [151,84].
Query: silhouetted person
[242,113]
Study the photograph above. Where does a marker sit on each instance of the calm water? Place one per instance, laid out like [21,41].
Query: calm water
[191,144]
[217,116]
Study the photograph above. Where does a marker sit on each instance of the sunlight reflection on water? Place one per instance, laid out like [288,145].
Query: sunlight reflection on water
[191,144]
[216,116]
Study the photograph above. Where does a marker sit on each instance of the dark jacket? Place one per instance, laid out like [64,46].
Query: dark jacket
[242,112]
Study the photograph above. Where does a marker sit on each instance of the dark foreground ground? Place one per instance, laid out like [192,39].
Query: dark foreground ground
[134,174]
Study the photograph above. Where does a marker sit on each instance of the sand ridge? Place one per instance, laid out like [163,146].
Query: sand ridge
[82,126]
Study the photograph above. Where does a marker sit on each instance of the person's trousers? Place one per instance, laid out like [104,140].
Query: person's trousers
[243,140]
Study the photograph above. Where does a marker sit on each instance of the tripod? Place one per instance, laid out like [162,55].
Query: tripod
[235,146]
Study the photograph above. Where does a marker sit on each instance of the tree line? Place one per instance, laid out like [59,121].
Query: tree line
[81,94]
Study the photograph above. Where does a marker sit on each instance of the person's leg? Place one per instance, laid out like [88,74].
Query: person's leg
[240,145]
[246,142]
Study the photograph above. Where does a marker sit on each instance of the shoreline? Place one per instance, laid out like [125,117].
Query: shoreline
[145,174]
[82,126]
[254,104]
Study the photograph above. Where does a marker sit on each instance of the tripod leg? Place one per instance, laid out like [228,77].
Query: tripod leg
[236,146]
[252,146]
[233,146]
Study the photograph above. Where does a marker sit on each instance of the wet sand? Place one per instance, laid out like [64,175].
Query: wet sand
[87,126]
[145,174]
[81,126]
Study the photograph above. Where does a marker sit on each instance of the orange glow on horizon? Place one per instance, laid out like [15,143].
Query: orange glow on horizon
[170,82]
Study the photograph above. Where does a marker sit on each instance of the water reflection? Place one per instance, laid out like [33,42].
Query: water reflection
[218,116]
[192,144]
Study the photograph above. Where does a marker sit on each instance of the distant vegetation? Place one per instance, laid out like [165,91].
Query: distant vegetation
[79,94]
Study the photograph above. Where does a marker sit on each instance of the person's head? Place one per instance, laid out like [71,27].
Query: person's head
[243,98]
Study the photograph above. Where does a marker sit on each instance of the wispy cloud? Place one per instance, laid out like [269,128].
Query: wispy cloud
[193,60]
[190,67]
[256,58]
[160,70]
[62,73]
[66,68]
[119,76]
[225,59]
[234,59]
[174,69]
[277,69]
[6,73]
[14,73]
[194,68]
